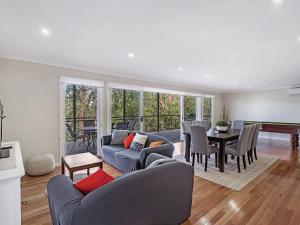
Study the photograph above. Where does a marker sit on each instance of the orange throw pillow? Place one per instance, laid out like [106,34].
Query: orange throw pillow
[94,181]
[156,143]
[128,140]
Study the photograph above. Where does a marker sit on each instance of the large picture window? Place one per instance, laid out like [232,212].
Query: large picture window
[207,108]
[190,108]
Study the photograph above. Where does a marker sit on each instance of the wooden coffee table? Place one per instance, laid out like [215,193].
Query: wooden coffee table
[83,161]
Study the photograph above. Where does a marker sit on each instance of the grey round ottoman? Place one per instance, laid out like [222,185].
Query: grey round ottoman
[40,165]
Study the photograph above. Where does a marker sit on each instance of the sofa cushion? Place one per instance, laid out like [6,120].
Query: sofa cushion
[118,137]
[128,154]
[128,140]
[113,148]
[156,143]
[94,181]
[138,142]
[153,138]
[109,152]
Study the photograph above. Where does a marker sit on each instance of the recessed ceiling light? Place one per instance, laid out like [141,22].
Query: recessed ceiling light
[180,68]
[277,2]
[299,39]
[131,55]
[45,31]
[235,82]
[250,86]
[207,75]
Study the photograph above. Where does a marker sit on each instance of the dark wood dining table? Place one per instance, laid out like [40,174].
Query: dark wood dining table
[214,136]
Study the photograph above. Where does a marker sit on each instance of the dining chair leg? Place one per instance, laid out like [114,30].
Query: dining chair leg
[238,164]
[226,158]
[255,154]
[248,155]
[193,159]
[232,157]
[206,158]
[198,158]
[251,155]
[244,162]
[216,159]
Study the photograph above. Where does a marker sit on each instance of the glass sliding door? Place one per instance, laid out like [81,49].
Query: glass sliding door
[169,112]
[81,123]
[132,108]
[151,112]
[117,106]
[125,108]
[207,108]
[190,110]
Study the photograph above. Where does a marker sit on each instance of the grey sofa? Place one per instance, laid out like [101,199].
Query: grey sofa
[160,195]
[127,160]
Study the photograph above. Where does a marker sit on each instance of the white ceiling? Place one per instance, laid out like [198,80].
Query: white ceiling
[252,42]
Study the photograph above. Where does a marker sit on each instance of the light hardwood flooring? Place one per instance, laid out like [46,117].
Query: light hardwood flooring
[271,199]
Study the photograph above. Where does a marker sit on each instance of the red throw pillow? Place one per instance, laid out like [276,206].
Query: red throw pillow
[94,181]
[128,140]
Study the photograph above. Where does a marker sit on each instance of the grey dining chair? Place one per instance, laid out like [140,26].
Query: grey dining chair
[250,139]
[240,148]
[185,126]
[206,124]
[201,146]
[254,141]
[237,124]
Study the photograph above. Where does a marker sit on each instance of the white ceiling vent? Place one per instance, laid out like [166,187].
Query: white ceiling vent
[294,91]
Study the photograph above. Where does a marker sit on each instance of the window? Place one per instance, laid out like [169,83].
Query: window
[169,112]
[207,108]
[189,108]
[125,106]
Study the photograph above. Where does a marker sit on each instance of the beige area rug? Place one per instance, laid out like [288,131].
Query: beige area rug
[231,178]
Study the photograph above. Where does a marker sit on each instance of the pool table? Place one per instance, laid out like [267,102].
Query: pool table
[285,128]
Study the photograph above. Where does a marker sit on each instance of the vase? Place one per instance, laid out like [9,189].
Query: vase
[222,129]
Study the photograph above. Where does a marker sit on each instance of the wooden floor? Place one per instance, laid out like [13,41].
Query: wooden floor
[271,199]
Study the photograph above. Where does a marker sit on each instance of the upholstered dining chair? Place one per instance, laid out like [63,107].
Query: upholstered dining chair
[240,148]
[200,145]
[250,139]
[206,124]
[254,141]
[237,124]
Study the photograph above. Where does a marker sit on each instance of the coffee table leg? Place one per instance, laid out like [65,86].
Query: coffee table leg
[88,172]
[221,156]
[62,167]
[71,175]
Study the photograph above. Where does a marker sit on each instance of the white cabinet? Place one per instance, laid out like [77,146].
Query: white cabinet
[10,187]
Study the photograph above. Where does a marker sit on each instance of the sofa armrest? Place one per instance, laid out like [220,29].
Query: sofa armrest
[106,139]
[63,199]
[165,149]
[153,157]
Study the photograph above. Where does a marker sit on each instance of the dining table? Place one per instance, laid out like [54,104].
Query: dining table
[218,138]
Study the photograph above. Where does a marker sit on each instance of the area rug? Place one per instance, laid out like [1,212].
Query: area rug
[231,178]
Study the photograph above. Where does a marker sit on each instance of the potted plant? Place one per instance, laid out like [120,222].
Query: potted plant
[222,126]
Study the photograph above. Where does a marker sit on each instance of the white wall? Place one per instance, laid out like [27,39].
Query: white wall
[273,105]
[30,94]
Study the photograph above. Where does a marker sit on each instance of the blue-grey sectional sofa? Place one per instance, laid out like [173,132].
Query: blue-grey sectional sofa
[127,160]
[159,195]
